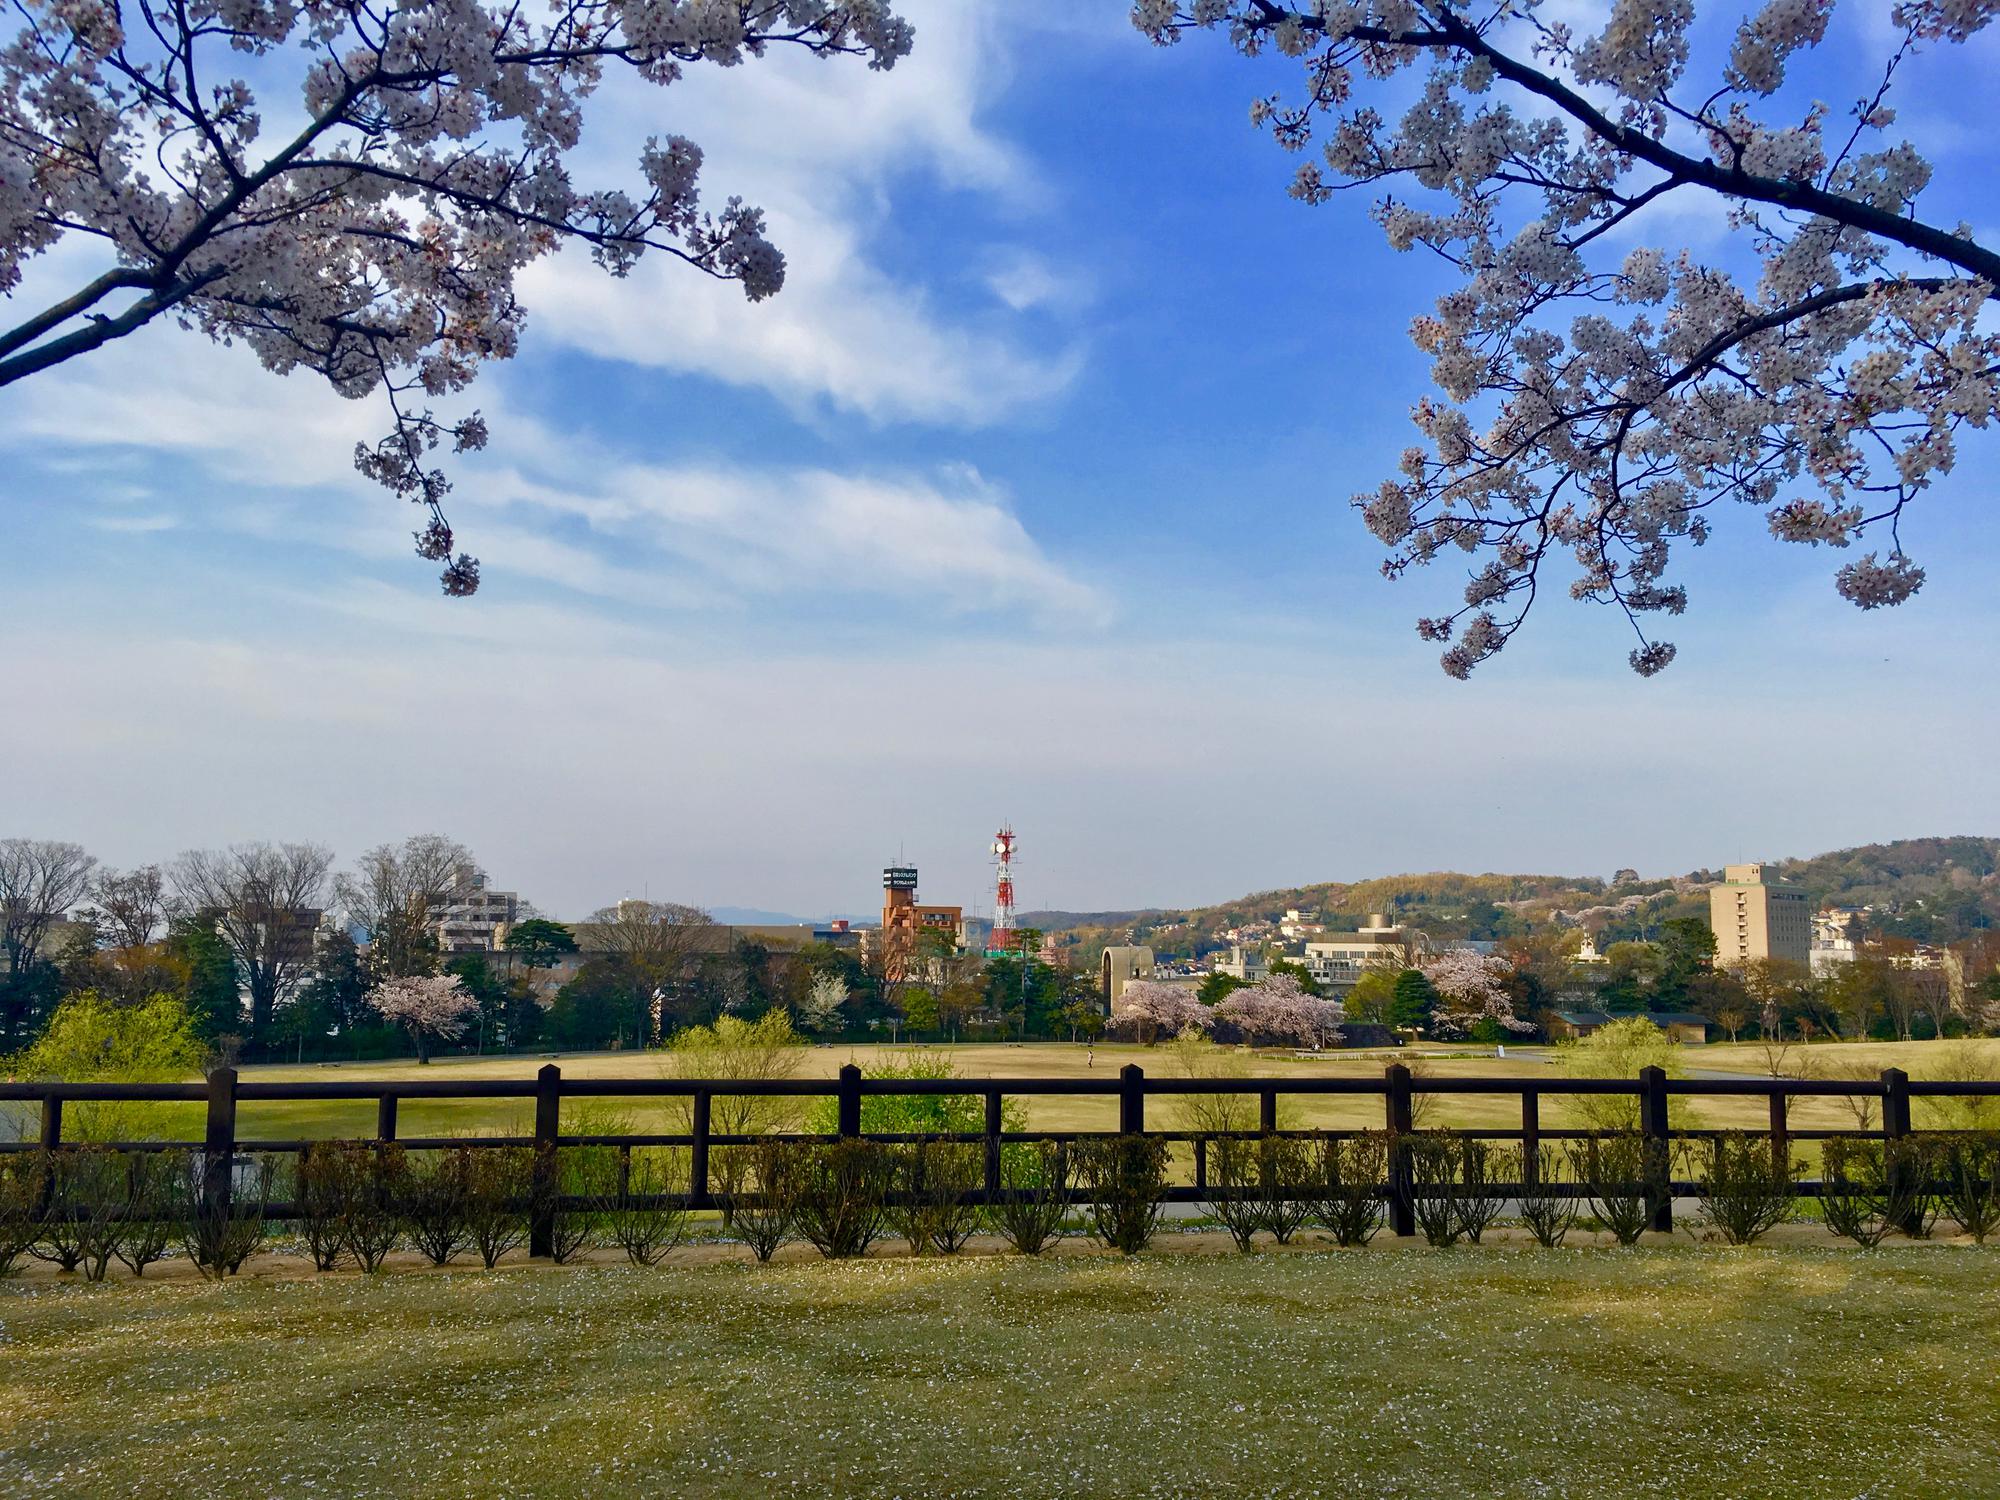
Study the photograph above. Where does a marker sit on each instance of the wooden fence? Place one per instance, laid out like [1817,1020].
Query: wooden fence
[1398,1089]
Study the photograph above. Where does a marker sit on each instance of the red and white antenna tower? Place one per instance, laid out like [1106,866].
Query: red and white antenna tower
[1003,888]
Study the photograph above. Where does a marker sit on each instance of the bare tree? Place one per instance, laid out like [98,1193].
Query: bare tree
[128,907]
[265,901]
[656,940]
[394,891]
[40,880]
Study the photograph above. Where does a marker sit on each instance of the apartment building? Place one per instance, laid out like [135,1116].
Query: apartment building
[1755,918]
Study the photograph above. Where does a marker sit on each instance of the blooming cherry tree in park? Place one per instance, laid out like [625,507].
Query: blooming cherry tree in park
[1471,988]
[1278,1009]
[1150,1010]
[1602,394]
[420,161]
[426,1006]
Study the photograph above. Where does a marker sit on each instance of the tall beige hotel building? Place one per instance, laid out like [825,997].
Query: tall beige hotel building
[1755,919]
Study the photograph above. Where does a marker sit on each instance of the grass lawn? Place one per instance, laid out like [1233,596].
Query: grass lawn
[1682,1370]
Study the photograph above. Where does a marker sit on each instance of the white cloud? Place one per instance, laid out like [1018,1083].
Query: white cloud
[541,504]
[818,144]
[138,525]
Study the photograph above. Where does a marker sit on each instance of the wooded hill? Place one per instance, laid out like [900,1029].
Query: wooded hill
[1933,890]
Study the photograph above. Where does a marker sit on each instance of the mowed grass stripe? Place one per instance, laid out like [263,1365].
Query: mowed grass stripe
[1693,1370]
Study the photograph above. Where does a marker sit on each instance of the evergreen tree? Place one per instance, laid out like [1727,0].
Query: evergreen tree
[213,998]
[1413,1002]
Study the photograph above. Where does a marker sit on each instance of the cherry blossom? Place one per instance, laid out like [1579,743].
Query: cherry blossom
[377,242]
[1600,401]
[1471,988]
[427,1006]
[1149,1010]
[1278,1009]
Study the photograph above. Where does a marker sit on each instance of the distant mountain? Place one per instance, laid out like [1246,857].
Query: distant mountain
[1928,889]
[756,916]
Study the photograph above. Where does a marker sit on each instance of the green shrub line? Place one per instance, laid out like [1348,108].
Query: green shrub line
[80,1208]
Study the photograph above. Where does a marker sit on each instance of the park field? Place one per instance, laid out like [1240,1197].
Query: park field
[1677,1370]
[1000,1060]
[317,1119]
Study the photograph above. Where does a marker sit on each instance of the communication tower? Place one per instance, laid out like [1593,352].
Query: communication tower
[1003,889]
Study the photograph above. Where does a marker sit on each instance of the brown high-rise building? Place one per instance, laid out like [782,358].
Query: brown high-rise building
[1755,919]
[903,918]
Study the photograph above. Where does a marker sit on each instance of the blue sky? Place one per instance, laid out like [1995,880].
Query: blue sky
[1027,498]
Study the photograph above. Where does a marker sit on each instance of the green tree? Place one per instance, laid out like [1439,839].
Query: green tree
[1216,987]
[1373,998]
[1687,956]
[91,1040]
[213,1000]
[1619,1050]
[539,942]
[1632,973]
[1413,1001]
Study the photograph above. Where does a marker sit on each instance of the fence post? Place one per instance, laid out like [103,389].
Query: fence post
[1659,1158]
[698,1154]
[51,1121]
[548,1126]
[218,1145]
[385,1119]
[992,1145]
[1781,1136]
[1531,1138]
[850,1101]
[1401,1111]
[1895,1127]
[1131,1100]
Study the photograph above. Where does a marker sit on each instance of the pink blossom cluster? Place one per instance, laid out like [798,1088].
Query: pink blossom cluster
[1148,1011]
[1471,987]
[1278,1009]
[427,1005]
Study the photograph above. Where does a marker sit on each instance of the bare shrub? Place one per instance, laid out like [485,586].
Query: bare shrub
[24,1177]
[376,1174]
[646,1217]
[1548,1211]
[1034,1203]
[321,1187]
[770,1217]
[1856,1197]
[1235,1175]
[1288,1165]
[583,1179]
[431,1202]
[1434,1167]
[218,1237]
[498,1187]
[80,1220]
[1349,1187]
[1971,1184]
[1752,1187]
[1126,1178]
[1613,1168]
[843,1190]
[152,1196]
[1483,1170]
[931,1182]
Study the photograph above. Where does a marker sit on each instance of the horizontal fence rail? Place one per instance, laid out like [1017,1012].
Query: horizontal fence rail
[1398,1088]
